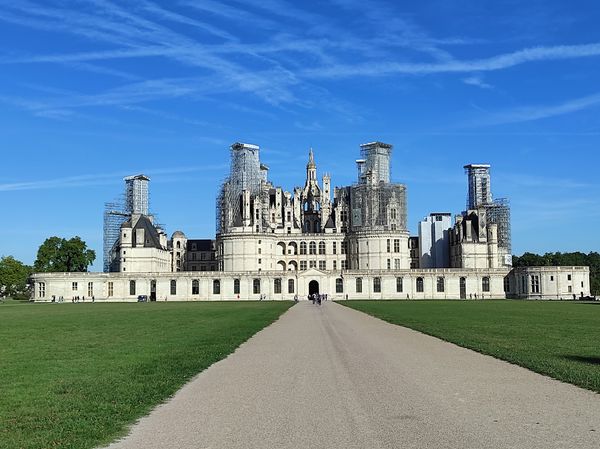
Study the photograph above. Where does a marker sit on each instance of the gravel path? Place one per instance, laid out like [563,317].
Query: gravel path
[331,377]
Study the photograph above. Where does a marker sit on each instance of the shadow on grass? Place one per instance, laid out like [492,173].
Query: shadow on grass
[581,359]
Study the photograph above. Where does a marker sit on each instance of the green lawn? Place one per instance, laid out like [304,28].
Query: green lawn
[76,375]
[558,339]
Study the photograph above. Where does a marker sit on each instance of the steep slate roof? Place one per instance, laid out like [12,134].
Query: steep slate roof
[152,238]
[201,245]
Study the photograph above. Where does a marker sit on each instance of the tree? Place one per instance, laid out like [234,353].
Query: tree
[13,278]
[60,255]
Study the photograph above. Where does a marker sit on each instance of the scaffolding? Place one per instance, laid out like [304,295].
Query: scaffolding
[374,165]
[246,174]
[136,194]
[378,207]
[134,200]
[498,212]
[480,191]
[114,217]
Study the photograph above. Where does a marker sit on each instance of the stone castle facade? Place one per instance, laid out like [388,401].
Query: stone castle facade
[351,242]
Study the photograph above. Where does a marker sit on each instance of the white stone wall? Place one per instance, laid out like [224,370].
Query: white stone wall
[103,284]
[550,283]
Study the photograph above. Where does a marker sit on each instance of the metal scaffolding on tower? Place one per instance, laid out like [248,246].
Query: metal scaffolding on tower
[134,200]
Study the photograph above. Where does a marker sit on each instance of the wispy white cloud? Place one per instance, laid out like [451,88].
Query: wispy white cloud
[499,62]
[281,67]
[102,178]
[477,81]
[531,113]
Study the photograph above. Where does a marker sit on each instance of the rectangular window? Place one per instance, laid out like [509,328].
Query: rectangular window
[277,286]
[132,288]
[535,284]
[570,289]
[377,285]
[111,289]
[195,287]
[334,265]
[399,285]
[291,286]
[256,286]
[236,286]
[569,277]
[397,265]
[303,265]
[389,264]
[359,286]
[74,286]
[344,264]
[42,290]
[440,285]
[90,289]
[312,264]
[173,287]
[485,284]
[334,247]
[322,265]
[339,285]
[551,278]
[389,246]
[344,247]
[396,245]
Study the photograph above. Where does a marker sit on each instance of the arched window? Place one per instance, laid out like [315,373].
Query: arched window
[441,285]
[277,286]
[302,248]
[178,245]
[339,285]
[291,286]
[359,283]
[399,285]
[132,288]
[293,249]
[377,285]
[485,284]
[195,287]
[236,286]
[173,287]
[256,286]
[216,287]
[420,285]
[321,247]
[312,248]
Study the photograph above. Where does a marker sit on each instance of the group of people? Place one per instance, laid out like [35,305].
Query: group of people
[317,298]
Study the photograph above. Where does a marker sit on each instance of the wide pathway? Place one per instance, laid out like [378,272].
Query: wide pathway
[330,377]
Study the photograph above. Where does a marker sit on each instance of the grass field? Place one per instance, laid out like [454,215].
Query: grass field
[557,339]
[76,375]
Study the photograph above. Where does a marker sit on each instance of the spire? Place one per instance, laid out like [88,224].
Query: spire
[311,159]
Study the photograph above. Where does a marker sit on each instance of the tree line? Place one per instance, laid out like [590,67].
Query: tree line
[54,255]
[576,259]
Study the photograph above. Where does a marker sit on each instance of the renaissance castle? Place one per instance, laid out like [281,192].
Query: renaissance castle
[351,242]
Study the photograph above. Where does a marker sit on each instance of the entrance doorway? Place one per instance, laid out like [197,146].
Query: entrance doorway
[313,288]
[152,290]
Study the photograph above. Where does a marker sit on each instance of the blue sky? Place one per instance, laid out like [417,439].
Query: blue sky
[93,90]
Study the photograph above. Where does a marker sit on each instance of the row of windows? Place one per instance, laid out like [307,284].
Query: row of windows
[311,248]
[396,245]
[216,287]
[75,287]
[256,286]
[420,285]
